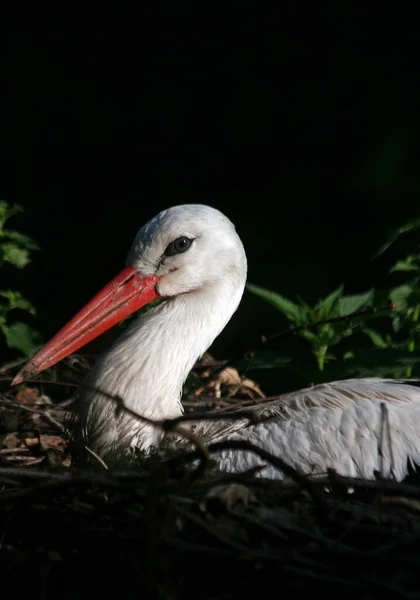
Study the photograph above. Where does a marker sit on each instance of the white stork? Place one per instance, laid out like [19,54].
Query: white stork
[191,257]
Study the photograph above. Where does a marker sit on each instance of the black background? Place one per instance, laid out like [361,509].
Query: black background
[275,116]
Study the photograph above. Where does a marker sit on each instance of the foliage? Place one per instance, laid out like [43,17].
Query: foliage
[393,347]
[333,306]
[15,250]
[406,296]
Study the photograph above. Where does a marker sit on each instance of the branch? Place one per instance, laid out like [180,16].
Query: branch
[359,313]
[39,381]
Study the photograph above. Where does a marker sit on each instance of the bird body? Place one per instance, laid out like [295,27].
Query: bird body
[191,257]
[357,427]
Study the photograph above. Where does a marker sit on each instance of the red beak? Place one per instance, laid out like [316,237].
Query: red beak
[125,294]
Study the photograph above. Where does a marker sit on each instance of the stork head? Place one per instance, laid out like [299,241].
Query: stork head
[184,249]
[188,247]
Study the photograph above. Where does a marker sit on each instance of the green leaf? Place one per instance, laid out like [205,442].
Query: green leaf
[7,211]
[16,300]
[377,362]
[406,228]
[409,264]
[21,337]
[397,323]
[20,239]
[353,303]
[292,311]
[12,254]
[400,295]
[377,339]
[327,305]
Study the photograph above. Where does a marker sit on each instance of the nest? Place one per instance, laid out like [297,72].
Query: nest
[174,528]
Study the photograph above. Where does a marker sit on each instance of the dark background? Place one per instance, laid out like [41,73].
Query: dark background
[301,125]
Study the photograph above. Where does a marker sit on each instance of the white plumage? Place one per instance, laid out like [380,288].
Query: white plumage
[368,431]
[355,426]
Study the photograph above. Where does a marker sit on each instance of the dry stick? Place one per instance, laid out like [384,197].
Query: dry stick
[74,477]
[390,547]
[166,425]
[27,474]
[252,417]
[354,582]
[330,544]
[98,458]
[249,553]
[54,481]
[172,424]
[39,381]
[10,365]
[208,401]
[216,533]
[4,401]
[228,478]
[305,483]
[14,450]
[302,481]
[292,331]
[388,486]
[43,413]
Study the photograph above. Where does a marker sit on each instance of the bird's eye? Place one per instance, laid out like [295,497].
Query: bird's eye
[178,246]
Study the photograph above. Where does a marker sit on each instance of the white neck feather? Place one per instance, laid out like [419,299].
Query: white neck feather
[149,363]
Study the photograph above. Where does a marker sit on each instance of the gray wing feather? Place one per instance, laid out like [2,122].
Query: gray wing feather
[340,425]
[354,426]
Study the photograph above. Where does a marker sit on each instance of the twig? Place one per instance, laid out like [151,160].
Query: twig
[387,486]
[209,365]
[53,481]
[300,572]
[189,435]
[302,481]
[237,415]
[98,458]
[48,381]
[359,313]
[166,425]
[171,424]
[317,496]
[214,532]
[4,401]
[26,474]
[43,413]
[204,402]
[228,478]
[14,363]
